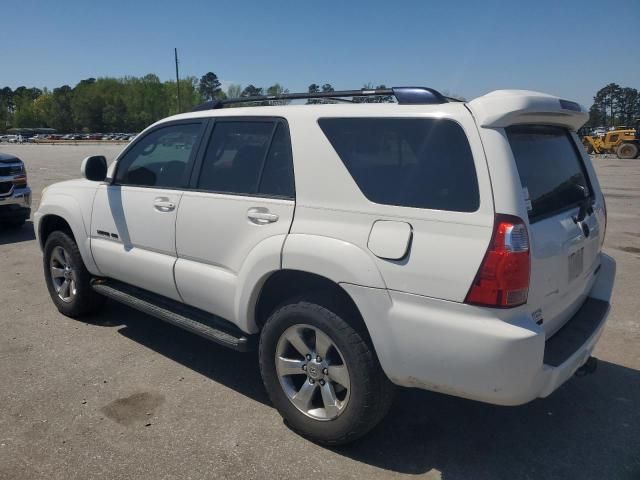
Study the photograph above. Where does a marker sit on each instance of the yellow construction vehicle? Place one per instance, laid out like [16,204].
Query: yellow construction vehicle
[624,142]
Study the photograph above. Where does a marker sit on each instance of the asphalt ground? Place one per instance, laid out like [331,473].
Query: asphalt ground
[122,395]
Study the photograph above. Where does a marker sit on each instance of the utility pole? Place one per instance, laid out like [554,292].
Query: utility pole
[175,50]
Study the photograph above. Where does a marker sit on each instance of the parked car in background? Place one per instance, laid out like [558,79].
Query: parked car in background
[15,193]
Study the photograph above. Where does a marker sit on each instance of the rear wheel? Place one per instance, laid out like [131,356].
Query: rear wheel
[627,150]
[67,277]
[321,373]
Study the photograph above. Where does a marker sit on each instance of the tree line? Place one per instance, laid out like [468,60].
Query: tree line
[126,104]
[129,104]
[615,106]
[96,105]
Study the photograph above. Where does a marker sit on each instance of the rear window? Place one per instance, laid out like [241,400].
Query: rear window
[409,162]
[551,171]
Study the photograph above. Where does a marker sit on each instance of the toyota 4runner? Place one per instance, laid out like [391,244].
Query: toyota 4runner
[431,243]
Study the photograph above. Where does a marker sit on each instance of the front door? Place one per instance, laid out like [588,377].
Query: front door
[134,217]
[242,202]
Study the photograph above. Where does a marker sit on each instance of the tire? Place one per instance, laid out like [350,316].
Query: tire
[627,151]
[360,407]
[82,299]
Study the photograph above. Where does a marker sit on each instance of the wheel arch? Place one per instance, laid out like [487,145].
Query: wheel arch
[65,215]
[51,223]
[287,284]
[312,256]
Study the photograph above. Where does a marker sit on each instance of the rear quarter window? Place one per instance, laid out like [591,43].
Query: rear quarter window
[409,162]
[550,167]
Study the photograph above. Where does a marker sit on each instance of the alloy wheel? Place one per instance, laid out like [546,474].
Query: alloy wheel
[312,372]
[63,275]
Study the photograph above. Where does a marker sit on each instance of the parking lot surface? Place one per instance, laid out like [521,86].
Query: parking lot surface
[122,395]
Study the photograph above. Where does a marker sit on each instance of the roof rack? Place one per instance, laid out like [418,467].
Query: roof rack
[404,96]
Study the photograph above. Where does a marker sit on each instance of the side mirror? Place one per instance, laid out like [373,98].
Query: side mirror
[94,168]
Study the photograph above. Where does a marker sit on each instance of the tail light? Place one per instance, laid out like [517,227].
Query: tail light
[503,277]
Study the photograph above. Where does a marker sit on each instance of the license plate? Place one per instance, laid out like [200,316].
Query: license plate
[576,264]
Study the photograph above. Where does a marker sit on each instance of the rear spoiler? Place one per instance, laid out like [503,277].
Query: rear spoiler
[502,108]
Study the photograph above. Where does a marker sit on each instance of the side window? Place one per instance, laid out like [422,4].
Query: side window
[409,162]
[235,156]
[160,158]
[277,175]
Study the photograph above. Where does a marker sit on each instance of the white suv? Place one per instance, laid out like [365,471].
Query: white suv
[427,243]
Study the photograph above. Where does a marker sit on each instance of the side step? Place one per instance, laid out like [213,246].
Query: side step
[189,318]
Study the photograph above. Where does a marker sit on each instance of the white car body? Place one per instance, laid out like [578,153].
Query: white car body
[203,251]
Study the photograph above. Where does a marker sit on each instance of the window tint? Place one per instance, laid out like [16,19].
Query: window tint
[410,162]
[160,158]
[277,176]
[234,156]
[550,168]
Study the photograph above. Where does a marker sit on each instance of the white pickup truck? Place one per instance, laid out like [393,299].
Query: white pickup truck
[430,243]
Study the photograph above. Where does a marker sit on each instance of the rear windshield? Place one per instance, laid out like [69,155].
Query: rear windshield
[551,171]
[409,162]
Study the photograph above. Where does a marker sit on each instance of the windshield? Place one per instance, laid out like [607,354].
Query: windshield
[551,171]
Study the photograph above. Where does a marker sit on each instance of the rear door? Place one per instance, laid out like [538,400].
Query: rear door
[241,199]
[563,204]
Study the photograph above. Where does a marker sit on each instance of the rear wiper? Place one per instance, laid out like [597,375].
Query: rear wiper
[585,205]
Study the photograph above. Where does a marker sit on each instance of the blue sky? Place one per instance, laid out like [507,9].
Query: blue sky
[568,48]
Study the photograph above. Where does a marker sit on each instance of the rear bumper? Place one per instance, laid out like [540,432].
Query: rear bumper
[495,356]
[571,346]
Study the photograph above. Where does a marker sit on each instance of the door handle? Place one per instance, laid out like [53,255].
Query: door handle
[261,216]
[164,205]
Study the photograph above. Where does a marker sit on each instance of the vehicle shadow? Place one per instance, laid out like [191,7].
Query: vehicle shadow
[235,370]
[17,234]
[589,428]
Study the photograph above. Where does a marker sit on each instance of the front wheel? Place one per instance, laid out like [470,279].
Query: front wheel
[322,374]
[68,280]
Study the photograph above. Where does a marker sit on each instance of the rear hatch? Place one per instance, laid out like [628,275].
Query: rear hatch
[565,234]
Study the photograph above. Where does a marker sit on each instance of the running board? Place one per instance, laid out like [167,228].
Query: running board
[188,318]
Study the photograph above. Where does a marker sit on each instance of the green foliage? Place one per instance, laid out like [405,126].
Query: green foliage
[253,91]
[59,114]
[98,105]
[277,89]
[209,86]
[314,88]
[614,106]
[234,90]
[130,104]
